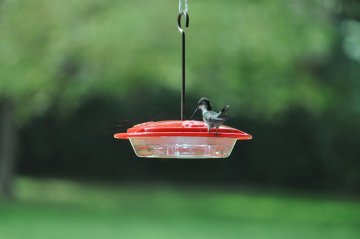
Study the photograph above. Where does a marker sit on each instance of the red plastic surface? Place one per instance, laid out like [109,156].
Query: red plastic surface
[187,128]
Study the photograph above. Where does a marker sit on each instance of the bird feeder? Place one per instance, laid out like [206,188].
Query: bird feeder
[182,138]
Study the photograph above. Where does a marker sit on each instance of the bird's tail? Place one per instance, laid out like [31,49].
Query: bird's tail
[223,111]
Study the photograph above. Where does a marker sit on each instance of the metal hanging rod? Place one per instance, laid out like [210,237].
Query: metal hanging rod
[183,13]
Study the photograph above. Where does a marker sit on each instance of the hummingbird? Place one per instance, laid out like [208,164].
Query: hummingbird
[211,118]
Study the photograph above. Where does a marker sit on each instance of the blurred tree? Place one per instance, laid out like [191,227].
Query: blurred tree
[8,143]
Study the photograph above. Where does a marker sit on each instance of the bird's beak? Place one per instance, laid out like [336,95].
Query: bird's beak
[194,112]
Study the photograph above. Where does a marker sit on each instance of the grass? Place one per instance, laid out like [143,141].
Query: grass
[60,209]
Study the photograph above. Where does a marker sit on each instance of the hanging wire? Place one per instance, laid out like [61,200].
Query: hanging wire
[186,6]
[183,13]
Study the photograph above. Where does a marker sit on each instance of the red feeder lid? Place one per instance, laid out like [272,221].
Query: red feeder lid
[187,128]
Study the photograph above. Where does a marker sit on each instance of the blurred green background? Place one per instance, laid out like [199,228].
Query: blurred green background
[74,72]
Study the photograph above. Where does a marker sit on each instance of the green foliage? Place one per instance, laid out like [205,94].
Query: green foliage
[257,52]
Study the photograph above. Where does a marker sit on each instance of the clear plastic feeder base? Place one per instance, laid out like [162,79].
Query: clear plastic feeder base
[182,139]
[183,147]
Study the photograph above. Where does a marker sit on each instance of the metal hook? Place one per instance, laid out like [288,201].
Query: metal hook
[187,20]
[186,15]
[183,12]
[186,6]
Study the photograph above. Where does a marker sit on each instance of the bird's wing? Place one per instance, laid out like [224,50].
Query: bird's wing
[213,117]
